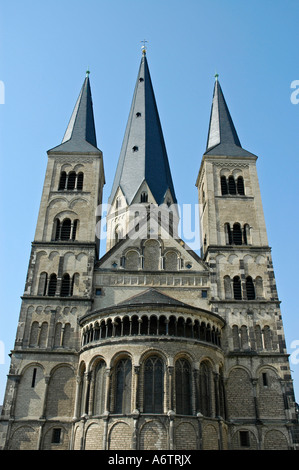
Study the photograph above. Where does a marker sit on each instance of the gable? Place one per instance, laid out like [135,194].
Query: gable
[151,248]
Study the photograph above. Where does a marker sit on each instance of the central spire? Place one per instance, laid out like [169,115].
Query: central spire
[143,158]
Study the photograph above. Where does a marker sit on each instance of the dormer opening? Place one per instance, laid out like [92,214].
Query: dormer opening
[144,197]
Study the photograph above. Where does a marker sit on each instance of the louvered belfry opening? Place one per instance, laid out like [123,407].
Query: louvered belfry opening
[71,180]
[224,188]
[232,185]
[250,291]
[65,229]
[52,285]
[237,234]
[237,288]
[240,186]
[65,285]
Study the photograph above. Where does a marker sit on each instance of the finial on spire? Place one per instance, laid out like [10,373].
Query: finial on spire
[87,72]
[143,47]
[216,76]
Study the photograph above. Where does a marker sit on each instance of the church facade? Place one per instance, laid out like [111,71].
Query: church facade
[151,346]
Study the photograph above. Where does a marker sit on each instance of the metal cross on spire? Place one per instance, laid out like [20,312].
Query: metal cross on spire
[143,48]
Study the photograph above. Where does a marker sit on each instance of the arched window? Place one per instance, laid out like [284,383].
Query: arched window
[99,388]
[153,385]
[65,285]
[172,326]
[143,197]
[52,285]
[71,181]
[237,288]
[205,389]
[144,325]
[62,181]
[123,378]
[57,335]
[80,178]
[237,234]
[162,325]
[43,336]
[153,325]
[66,339]
[224,188]
[65,229]
[250,288]
[33,334]
[240,186]
[232,185]
[183,387]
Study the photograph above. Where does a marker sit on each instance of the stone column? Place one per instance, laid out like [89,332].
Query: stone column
[216,387]
[105,430]
[171,415]
[77,397]
[200,420]
[87,392]
[91,393]
[196,389]
[170,387]
[135,416]
[254,387]
[136,388]
[107,390]
[44,404]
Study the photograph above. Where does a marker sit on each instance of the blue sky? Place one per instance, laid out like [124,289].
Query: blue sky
[45,49]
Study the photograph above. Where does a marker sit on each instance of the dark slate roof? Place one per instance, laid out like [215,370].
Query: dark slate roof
[150,297]
[143,131]
[222,136]
[80,135]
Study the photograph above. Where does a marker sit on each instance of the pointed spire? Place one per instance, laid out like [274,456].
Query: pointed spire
[80,135]
[222,136]
[143,155]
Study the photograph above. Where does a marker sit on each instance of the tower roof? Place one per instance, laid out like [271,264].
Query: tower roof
[222,136]
[143,155]
[80,135]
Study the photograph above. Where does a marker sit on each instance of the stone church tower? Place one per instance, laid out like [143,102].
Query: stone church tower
[151,346]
